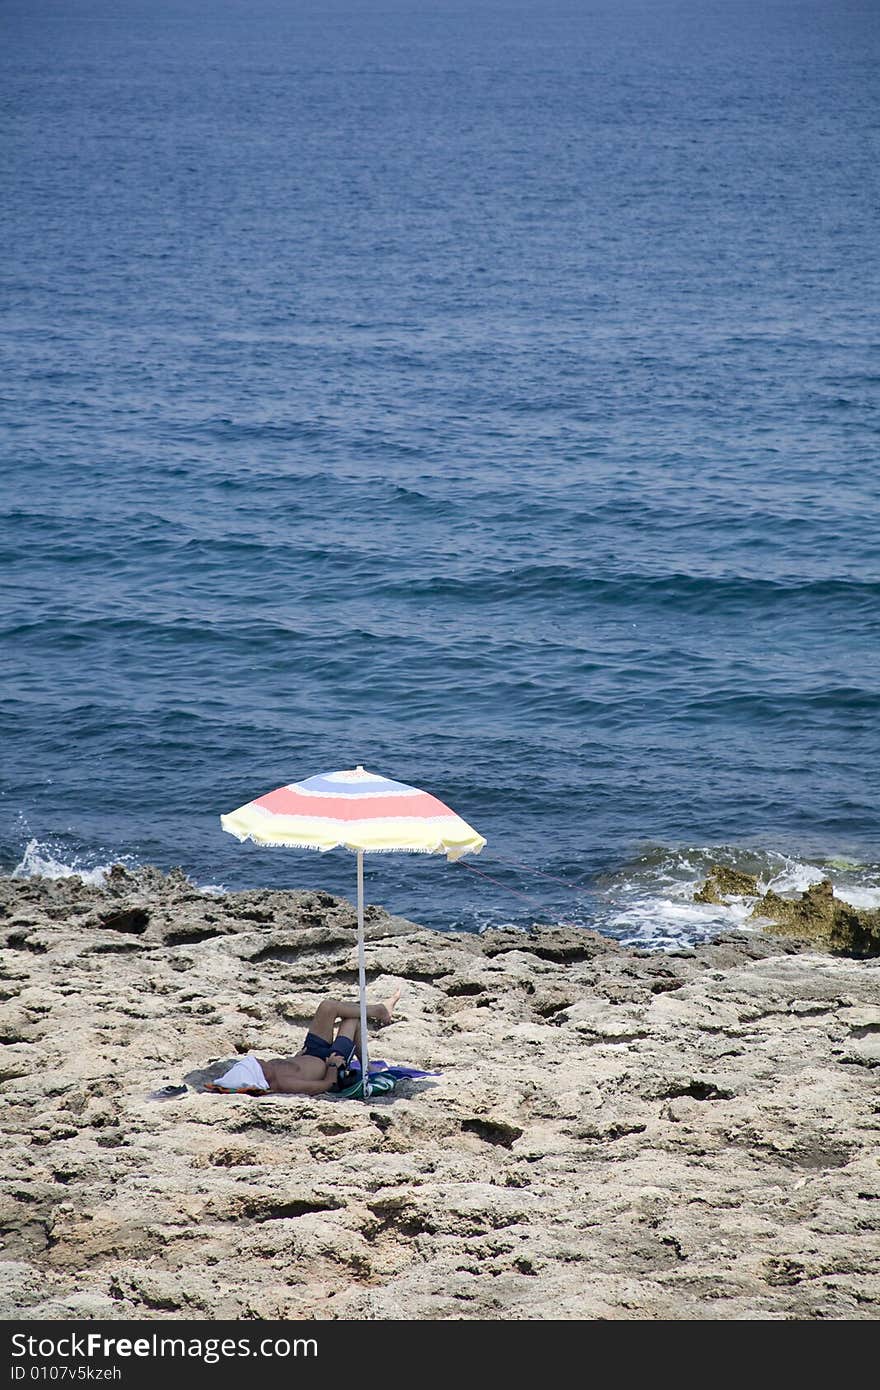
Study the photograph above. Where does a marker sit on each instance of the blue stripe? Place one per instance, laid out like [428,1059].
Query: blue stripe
[324,784]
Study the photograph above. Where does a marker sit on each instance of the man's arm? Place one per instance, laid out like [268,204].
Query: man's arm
[319,1086]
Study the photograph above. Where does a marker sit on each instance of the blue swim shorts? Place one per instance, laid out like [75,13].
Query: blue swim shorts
[315,1046]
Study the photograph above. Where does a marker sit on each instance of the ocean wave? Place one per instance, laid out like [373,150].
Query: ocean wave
[39,861]
[637,591]
[650,901]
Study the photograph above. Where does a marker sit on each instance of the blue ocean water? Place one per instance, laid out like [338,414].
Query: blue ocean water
[482,391]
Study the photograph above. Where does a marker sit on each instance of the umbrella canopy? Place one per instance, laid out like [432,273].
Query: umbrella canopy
[356,810]
[360,811]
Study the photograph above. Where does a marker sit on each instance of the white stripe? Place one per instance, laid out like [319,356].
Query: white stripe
[302,790]
[335,823]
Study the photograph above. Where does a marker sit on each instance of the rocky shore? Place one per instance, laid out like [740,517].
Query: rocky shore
[613,1133]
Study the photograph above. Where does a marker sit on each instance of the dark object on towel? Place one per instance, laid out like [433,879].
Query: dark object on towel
[380,1084]
[397,1071]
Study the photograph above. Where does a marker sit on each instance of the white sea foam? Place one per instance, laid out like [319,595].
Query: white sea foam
[667,923]
[858,897]
[797,877]
[651,903]
[794,878]
[38,861]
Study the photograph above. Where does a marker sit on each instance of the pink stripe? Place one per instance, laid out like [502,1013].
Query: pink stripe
[284,802]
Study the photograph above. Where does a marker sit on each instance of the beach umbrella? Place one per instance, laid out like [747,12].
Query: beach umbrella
[359,811]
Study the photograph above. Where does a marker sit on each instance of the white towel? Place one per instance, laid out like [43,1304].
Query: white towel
[246,1072]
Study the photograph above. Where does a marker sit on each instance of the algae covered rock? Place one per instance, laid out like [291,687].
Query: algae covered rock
[815,916]
[818,916]
[724,883]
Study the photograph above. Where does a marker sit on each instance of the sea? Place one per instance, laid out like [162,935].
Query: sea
[484,392]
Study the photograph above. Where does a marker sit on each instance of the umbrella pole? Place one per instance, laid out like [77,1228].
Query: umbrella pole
[362,975]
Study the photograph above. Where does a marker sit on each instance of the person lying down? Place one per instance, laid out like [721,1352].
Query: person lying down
[323,1062]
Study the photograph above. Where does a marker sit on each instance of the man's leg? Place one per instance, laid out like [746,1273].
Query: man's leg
[323,1023]
[348,1040]
[330,1010]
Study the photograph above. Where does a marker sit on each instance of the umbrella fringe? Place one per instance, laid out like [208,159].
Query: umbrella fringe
[325,849]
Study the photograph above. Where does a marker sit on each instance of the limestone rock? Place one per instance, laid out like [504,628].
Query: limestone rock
[612,1133]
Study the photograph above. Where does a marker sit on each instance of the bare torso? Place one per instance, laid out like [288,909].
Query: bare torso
[288,1070]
